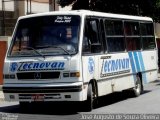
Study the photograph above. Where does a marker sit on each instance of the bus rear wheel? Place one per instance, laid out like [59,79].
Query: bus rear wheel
[138,89]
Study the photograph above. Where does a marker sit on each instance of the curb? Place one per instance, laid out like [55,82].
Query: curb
[0,87]
[1,99]
[1,94]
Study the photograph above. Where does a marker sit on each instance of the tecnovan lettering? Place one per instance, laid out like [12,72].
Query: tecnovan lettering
[42,66]
[112,67]
[116,65]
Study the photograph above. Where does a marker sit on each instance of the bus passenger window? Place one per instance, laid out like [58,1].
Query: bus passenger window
[116,44]
[148,43]
[114,35]
[133,43]
[114,27]
[147,29]
[147,34]
[132,35]
[131,28]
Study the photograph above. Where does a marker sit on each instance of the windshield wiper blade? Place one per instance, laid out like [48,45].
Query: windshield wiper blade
[63,49]
[52,46]
[31,48]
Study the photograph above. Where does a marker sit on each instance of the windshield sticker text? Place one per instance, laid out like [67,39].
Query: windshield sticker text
[63,19]
[115,67]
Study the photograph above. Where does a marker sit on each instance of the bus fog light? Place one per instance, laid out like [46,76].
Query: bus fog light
[65,74]
[67,96]
[12,76]
[11,96]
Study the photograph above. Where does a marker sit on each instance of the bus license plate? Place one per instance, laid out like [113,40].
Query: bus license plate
[38,97]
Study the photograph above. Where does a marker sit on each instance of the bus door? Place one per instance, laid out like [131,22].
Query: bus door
[91,50]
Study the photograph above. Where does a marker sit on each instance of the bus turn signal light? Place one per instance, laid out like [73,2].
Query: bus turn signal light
[75,74]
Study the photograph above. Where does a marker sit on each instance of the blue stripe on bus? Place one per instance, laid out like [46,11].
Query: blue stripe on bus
[132,64]
[137,61]
[144,78]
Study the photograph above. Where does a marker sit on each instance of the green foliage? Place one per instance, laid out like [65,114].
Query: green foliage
[149,8]
[156,14]
[157,3]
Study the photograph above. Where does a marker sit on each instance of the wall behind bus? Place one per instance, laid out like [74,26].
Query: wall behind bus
[4,43]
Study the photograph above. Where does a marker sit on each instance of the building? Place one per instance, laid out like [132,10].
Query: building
[10,10]
[157,31]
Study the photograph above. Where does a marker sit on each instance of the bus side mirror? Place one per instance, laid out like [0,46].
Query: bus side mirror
[96,48]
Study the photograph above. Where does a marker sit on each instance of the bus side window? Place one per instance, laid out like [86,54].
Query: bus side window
[103,33]
[147,34]
[86,42]
[114,35]
[131,28]
[132,35]
[91,40]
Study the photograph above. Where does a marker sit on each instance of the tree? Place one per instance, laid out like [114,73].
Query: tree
[156,13]
[64,3]
[76,4]
[149,8]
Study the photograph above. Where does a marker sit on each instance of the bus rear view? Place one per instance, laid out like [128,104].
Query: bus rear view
[42,63]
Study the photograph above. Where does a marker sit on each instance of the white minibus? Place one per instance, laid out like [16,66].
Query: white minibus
[78,56]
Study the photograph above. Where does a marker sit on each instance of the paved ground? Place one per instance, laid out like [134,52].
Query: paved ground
[111,107]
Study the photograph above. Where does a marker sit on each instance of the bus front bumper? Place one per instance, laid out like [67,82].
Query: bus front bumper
[44,92]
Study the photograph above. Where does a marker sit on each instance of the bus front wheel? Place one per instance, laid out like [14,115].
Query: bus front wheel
[89,102]
[24,106]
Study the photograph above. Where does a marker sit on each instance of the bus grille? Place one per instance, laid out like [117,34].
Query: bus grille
[38,75]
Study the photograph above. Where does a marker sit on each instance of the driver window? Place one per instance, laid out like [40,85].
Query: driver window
[91,36]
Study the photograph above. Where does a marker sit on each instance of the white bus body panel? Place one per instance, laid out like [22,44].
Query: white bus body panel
[117,72]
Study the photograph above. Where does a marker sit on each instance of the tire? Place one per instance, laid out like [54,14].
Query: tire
[24,106]
[138,89]
[89,102]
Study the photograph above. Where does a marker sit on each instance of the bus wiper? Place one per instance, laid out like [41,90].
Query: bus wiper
[51,46]
[63,49]
[31,48]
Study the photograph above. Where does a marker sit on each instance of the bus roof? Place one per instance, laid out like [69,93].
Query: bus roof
[90,13]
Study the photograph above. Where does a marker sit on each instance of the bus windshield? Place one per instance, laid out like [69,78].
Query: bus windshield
[46,35]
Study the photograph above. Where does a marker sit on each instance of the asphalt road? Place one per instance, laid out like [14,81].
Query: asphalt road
[116,104]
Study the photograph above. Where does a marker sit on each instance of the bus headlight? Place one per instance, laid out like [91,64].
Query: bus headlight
[71,74]
[74,74]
